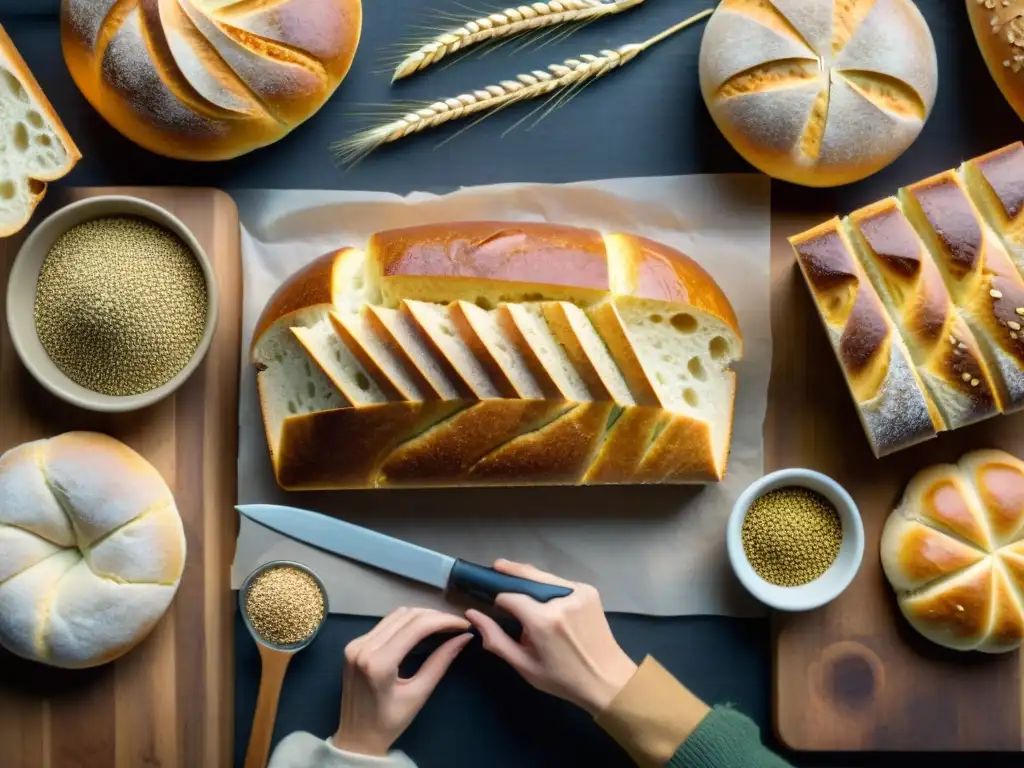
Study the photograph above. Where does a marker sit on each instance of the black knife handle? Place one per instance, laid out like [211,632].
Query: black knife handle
[485,584]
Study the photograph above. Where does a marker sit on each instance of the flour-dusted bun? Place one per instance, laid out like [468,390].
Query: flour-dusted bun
[91,549]
[208,79]
[954,553]
[819,92]
[35,147]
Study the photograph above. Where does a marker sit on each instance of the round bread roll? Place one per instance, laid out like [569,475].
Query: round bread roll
[954,552]
[208,79]
[999,29]
[817,92]
[91,549]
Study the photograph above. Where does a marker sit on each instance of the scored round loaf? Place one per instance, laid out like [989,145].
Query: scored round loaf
[91,549]
[208,79]
[954,552]
[819,93]
[999,29]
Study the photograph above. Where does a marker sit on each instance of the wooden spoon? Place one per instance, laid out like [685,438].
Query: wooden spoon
[274,660]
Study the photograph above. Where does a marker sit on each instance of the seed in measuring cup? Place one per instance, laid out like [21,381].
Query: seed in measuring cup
[285,605]
[120,305]
[791,536]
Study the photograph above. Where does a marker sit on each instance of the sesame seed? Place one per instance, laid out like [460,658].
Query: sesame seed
[1014,325]
[284,605]
[975,382]
[995,294]
[120,305]
[1020,311]
[961,345]
[966,377]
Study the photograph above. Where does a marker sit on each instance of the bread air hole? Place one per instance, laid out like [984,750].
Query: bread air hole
[656,318]
[20,137]
[684,323]
[35,119]
[447,331]
[43,140]
[691,397]
[15,87]
[362,382]
[7,189]
[501,345]
[311,389]
[292,407]
[696,369]
[718,348]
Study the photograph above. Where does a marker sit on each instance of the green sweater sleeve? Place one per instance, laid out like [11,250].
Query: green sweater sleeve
[725,739]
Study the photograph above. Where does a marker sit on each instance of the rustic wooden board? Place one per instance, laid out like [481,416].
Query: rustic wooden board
[853,675]
[169,702]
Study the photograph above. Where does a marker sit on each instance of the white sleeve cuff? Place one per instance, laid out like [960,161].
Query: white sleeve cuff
[304,750]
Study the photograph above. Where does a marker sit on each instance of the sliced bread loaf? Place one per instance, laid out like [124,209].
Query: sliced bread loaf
[503,362]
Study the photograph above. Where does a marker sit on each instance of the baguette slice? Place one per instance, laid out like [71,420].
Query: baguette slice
[377,359]
[910,285]
[504,364]
[587,352]
[326,349]
[37,148]
[399,334]
[981,279]
[893,406]
[996,184]
[434,323]
[524,325]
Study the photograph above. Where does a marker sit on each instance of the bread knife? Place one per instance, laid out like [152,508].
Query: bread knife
[401,558]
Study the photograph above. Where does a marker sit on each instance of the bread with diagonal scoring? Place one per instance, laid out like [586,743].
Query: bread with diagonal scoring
[497,353]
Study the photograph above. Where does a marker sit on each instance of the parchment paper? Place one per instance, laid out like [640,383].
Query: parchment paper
[650,550]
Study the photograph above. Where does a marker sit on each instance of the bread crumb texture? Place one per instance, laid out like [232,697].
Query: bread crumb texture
[819,93]
[953,551]
[91,549]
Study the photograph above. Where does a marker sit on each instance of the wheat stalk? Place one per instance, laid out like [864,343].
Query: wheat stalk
[571,73]
[508,23]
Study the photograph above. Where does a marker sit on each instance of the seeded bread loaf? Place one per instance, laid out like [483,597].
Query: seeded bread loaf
[491,353]
[817,92]
[999,30]
[208,79]
[936,258]
[953,553]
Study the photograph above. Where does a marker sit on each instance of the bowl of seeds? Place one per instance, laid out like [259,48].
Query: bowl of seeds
[795,539]
[111,303]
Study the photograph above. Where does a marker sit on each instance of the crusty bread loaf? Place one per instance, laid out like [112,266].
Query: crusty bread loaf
[819,93]
[953,550]
[36,148]
[91,549]
[206,79]
[494,353]
[999,29]
[940,342]
[938,257]
[891,401]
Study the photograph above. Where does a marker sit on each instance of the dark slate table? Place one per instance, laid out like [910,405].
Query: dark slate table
[646,120]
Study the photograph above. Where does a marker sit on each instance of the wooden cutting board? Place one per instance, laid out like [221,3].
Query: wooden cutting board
[853,675]
[169,702]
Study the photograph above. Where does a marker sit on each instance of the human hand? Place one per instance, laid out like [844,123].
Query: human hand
[567,648]
[376,704]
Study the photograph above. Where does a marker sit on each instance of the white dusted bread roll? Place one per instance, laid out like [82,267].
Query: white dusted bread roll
[91,549]
[954,552]
[819,92]
[208,79]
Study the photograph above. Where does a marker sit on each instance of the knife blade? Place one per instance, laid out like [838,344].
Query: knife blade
[401,558]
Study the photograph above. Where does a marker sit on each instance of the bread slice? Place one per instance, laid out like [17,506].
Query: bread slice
[993,181]
[524,325]
[674,358]
[401,336]
[437,328]
[329,353]
[377,359]
[503,362]
[587,352]
[36,148]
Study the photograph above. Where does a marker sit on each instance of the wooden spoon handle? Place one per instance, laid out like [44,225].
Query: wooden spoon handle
[275,664]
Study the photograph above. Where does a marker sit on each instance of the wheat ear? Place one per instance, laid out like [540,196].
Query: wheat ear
[506,23]
[573,72]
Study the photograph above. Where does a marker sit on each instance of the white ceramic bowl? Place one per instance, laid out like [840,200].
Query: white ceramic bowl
[21,296]
[830,584]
